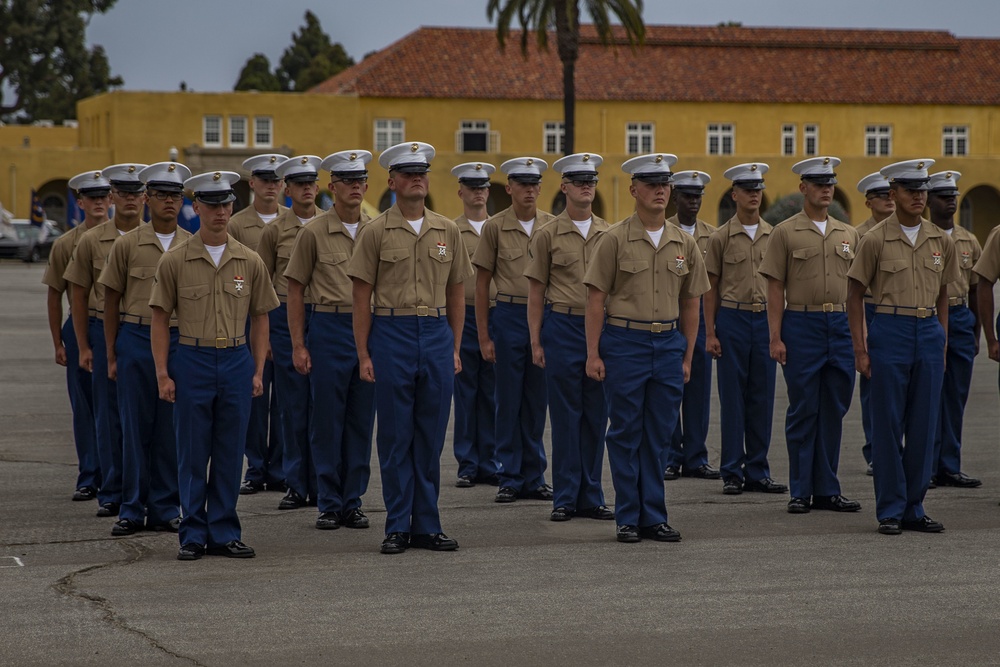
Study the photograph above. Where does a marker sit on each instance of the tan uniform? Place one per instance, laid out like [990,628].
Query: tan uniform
[275,248]
[503,250]
[813,266]
[702,232]
[130,270]
[471,240]
[319,260]
[88,261]
[988,266]
[967,254]
[246,226]
[212,302]
[644,283]
[866,226]
[902,275]
[59,258]
[558,257]
[407,270]
[735,258]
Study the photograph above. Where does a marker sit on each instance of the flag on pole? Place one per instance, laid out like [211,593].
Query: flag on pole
[187,218]
[73,214]
[37,212]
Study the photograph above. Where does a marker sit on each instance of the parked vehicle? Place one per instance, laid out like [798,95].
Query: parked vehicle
[19,239]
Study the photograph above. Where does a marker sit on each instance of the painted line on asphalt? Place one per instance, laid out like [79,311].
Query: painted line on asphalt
[17,561]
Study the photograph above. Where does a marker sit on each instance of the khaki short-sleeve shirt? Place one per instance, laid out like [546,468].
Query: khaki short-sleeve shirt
[132,265]
[988,266]
[88,261]
[812,265]
[865,226]
[558,257]
[644,282]
[503,250]
[59,257]
[967,253]
[275,248]
[320,256]
[900,274]
[470,237]
[735,258]
[406,269]
[246,226]
[209,301]
[702,232]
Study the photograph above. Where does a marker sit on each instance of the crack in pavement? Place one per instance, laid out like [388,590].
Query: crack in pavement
[67,586]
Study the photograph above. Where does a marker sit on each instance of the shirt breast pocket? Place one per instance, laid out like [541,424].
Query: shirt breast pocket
[805,264]
[893,274]
[441,263]
[142,272]
[334,265]
[394,265]
[569,264]
[634,275]
[192,304]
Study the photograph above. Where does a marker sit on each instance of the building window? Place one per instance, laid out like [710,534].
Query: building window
[389,132]
[878,140]
[475,136]
[788,139]
[721,137]
[810,137]
[237,131]
[639,138]
[211,134]
[262,131]
[554,137]
[955,140]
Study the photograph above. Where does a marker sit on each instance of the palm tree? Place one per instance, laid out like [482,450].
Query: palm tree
[540,15]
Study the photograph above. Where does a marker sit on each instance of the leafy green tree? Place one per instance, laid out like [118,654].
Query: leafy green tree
[542,15]
[257,75]
[311,58]
[45,65]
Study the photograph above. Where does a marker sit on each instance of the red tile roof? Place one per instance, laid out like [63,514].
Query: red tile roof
[690,64]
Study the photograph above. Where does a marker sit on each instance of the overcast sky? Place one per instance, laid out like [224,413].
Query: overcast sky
[156,45]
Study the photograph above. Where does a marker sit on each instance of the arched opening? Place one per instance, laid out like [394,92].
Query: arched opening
[845,203]
[243,195]
[727,207]
[498,199]
[53,198]
[979,210]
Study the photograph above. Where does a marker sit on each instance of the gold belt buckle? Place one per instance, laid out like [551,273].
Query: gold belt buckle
[757,308]
[221,343]
[922,313]
[656,327]
[827,307]
[422,311]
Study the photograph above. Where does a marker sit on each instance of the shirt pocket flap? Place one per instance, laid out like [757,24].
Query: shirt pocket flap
[333,257]
[510,253]
[565,258]
[805,253]
[394,254]
[193,292]
[284,251]
[240,292]
[435,253]
[735,257]
[893,265]
[935,264]
[142,272]
[633,265]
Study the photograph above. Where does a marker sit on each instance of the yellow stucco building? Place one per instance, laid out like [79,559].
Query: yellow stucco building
[715,97]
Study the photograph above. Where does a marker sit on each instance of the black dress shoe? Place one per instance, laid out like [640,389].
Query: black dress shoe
[601,512]
[354,518]
[85,493]
[543,492]
[764,485]
[702,472]
[889,527]
[924,524]
[960,480]
[108,509]
[932,483]
[328,521]
[661,532]
[627,534]
[291,501]
[172,526]
[671,473]
[732,486]
[561,514]
[190,552]
[395,543]
[465,482]
[798,506]
[279,487]
[870,471]
[231,549]
[435,542]
[124,527]
[489,480]
[835,504]
[506,494]
[312,501]
[250,487]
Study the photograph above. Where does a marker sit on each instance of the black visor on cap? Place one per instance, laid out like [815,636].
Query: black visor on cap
[350,174]
[475,182]
[589,176]
[654,177]
[690,189]
[128,186]
[302,178]
[165,186]
[527,179]
[945,192]
[877,192]
[912,183]
[102,191]
[749,185]
[410,167]
[820,179]
[265,174]
[215,196]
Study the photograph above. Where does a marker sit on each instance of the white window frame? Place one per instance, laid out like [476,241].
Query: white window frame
[258,122]
[232,122]
[492,139]
[951,136]
[642,132]
[556,131]
[388,132]
[788,132]
[810,131]
[205,120]
[879,133]
[720,132]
